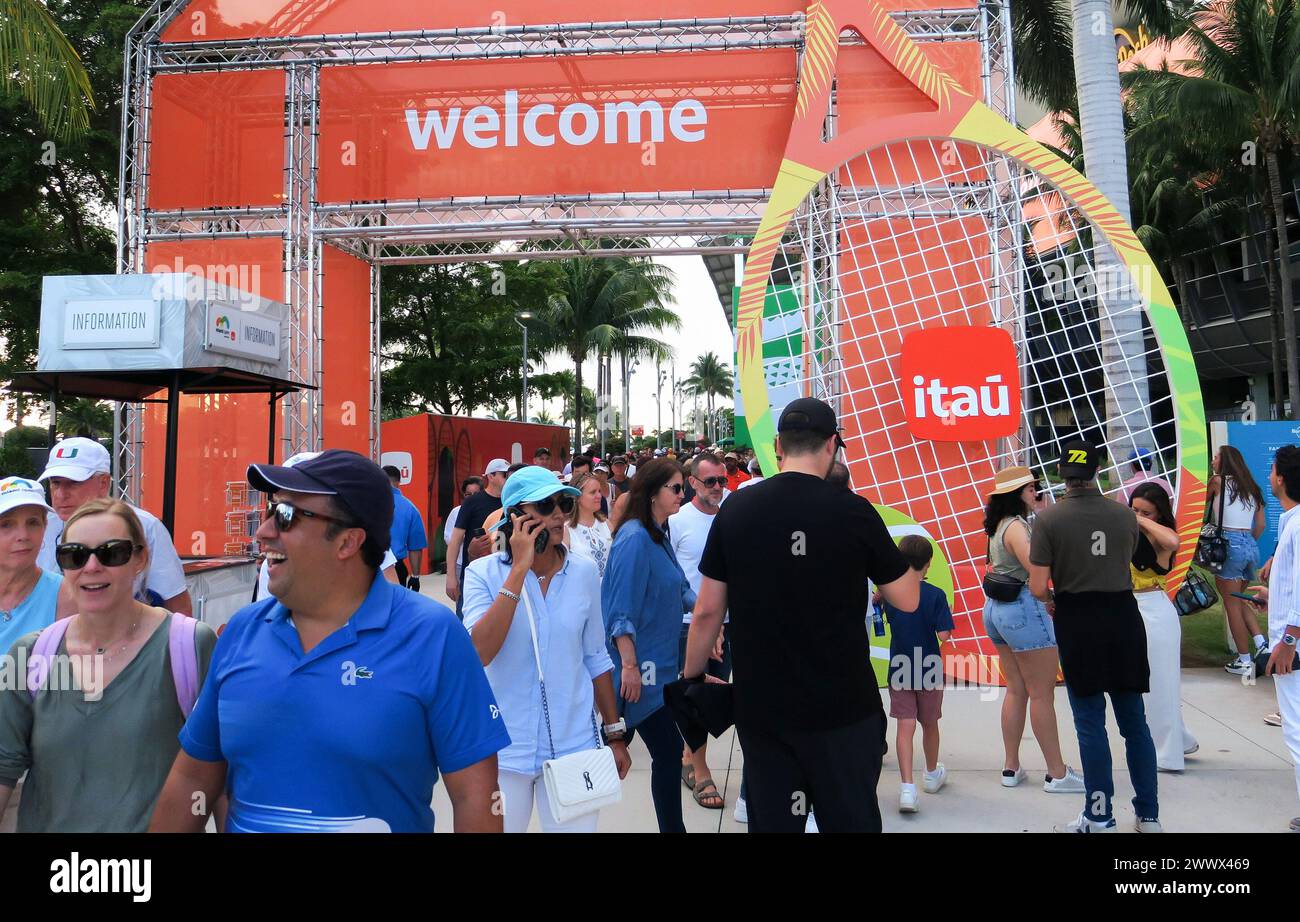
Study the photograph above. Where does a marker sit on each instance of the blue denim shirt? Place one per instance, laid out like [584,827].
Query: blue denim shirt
[643,596]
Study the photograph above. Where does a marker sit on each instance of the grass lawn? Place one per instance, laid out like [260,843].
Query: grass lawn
[1203,637]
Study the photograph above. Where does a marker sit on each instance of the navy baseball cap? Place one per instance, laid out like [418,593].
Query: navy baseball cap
[812,415]
[360,485]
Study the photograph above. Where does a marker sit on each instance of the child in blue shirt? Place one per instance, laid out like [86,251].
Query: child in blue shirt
[916,674]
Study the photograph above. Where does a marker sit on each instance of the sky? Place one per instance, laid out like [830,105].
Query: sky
[703,328]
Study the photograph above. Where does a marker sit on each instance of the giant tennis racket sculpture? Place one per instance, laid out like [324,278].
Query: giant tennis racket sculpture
[935,221]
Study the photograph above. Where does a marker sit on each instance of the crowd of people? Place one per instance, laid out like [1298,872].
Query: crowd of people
[616,597]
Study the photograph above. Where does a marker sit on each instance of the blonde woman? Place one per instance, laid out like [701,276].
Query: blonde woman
[97,747]
[587,530]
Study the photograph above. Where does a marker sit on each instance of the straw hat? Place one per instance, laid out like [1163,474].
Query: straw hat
[1011,479]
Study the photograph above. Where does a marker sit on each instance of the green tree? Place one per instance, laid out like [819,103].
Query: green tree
[40,65]
[710,377]
[88,418]
[1240,101]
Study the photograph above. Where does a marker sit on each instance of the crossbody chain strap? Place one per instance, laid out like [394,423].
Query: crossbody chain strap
[541,679]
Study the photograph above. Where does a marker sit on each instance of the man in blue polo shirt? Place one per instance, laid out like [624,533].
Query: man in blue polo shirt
[333,705]
[407,534]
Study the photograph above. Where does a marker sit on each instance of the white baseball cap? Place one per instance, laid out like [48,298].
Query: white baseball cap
[19,491]
[77,459]
[497,466]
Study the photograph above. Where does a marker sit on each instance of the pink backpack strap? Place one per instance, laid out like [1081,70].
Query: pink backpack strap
[185,660]
[43,651]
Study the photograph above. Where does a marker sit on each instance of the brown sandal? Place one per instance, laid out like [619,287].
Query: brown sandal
[707,790]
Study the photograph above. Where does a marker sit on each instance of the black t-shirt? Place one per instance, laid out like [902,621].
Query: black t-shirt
[796,554]
[472,515]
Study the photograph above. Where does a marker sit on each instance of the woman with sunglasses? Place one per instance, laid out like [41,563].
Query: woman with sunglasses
[643,596]
[588,533]
[1022,635]
[98,749]
[533,573]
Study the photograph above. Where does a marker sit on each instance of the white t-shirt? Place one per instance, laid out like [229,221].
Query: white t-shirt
[591,541]
[750,482]
[166,574]
[264,575]
[451,523]
[688,529]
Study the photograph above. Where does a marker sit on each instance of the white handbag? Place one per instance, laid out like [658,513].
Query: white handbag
[580,783]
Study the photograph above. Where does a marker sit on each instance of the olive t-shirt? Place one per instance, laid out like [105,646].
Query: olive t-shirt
[95,766]
[1087,540]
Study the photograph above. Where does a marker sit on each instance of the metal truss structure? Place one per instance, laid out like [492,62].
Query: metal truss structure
[457,229]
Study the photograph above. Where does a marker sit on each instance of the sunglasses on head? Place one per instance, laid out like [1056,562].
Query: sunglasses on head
[113,553]
[712,481]
[546,506]
[286,516]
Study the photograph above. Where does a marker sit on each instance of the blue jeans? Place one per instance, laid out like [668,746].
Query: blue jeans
[1094,750]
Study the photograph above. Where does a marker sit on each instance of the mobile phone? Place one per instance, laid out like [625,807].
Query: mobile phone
[1248,598]
[543,538]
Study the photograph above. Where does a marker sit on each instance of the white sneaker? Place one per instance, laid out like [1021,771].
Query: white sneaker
[811,824]
[1194,748]
[1141,825]
[742,811]
[1070,783]
[1240,667]
[1081,823]
[907,799]
[934,781]
[1273,720]
[1012,778]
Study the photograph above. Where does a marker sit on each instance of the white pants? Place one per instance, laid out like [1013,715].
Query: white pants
[1164,703]
[1288,704]
[517,793]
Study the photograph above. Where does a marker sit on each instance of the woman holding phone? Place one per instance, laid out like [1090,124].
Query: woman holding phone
[534,572]
[643,596]
[1157,546]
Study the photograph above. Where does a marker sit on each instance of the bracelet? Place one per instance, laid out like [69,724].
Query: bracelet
[508,594]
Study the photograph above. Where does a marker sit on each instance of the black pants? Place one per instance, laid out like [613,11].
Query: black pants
[832,771]
[664,741]
[402,572]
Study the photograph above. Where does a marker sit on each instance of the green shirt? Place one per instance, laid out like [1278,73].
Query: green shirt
[1087,540]
[95,766]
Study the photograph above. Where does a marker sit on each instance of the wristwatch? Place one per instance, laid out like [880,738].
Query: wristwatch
[1288,639]
[615,732]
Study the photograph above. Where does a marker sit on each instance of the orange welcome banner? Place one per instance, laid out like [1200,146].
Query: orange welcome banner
[621,123]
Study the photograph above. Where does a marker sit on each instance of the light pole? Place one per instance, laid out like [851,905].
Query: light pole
[523,402]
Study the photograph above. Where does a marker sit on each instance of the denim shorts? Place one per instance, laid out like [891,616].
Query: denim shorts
[1243,556]
[1022,625]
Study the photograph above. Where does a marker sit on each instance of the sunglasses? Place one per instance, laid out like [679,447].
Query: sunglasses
[114,553]
[712,481]
[675,487]
[286,516]
[546,506]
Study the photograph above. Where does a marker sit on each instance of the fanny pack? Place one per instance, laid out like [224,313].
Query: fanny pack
[1002,588]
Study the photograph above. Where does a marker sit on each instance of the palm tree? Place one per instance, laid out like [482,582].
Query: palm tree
[88,418]
[709,377]
[1242,83]
[602,304]
[38,63]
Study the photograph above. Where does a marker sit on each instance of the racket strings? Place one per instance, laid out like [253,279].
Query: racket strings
[928,233]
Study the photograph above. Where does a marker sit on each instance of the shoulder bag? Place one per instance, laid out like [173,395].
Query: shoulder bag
[1212,547]
[999,586]
[582,782]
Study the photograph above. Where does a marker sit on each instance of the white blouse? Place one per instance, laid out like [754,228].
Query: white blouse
[591,541]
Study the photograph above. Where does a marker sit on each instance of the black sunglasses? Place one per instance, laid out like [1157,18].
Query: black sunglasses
[286,516]
[675,487]
[712,481]
[114,553]
[546,506]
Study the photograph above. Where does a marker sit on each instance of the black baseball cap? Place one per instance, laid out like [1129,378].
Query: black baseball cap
[1080,459]
[810,415]
[360,484]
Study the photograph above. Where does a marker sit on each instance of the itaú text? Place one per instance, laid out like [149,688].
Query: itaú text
[961,400]
[577,123]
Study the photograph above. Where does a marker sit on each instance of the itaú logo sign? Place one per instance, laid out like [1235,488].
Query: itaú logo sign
[543,124]
[960,384]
